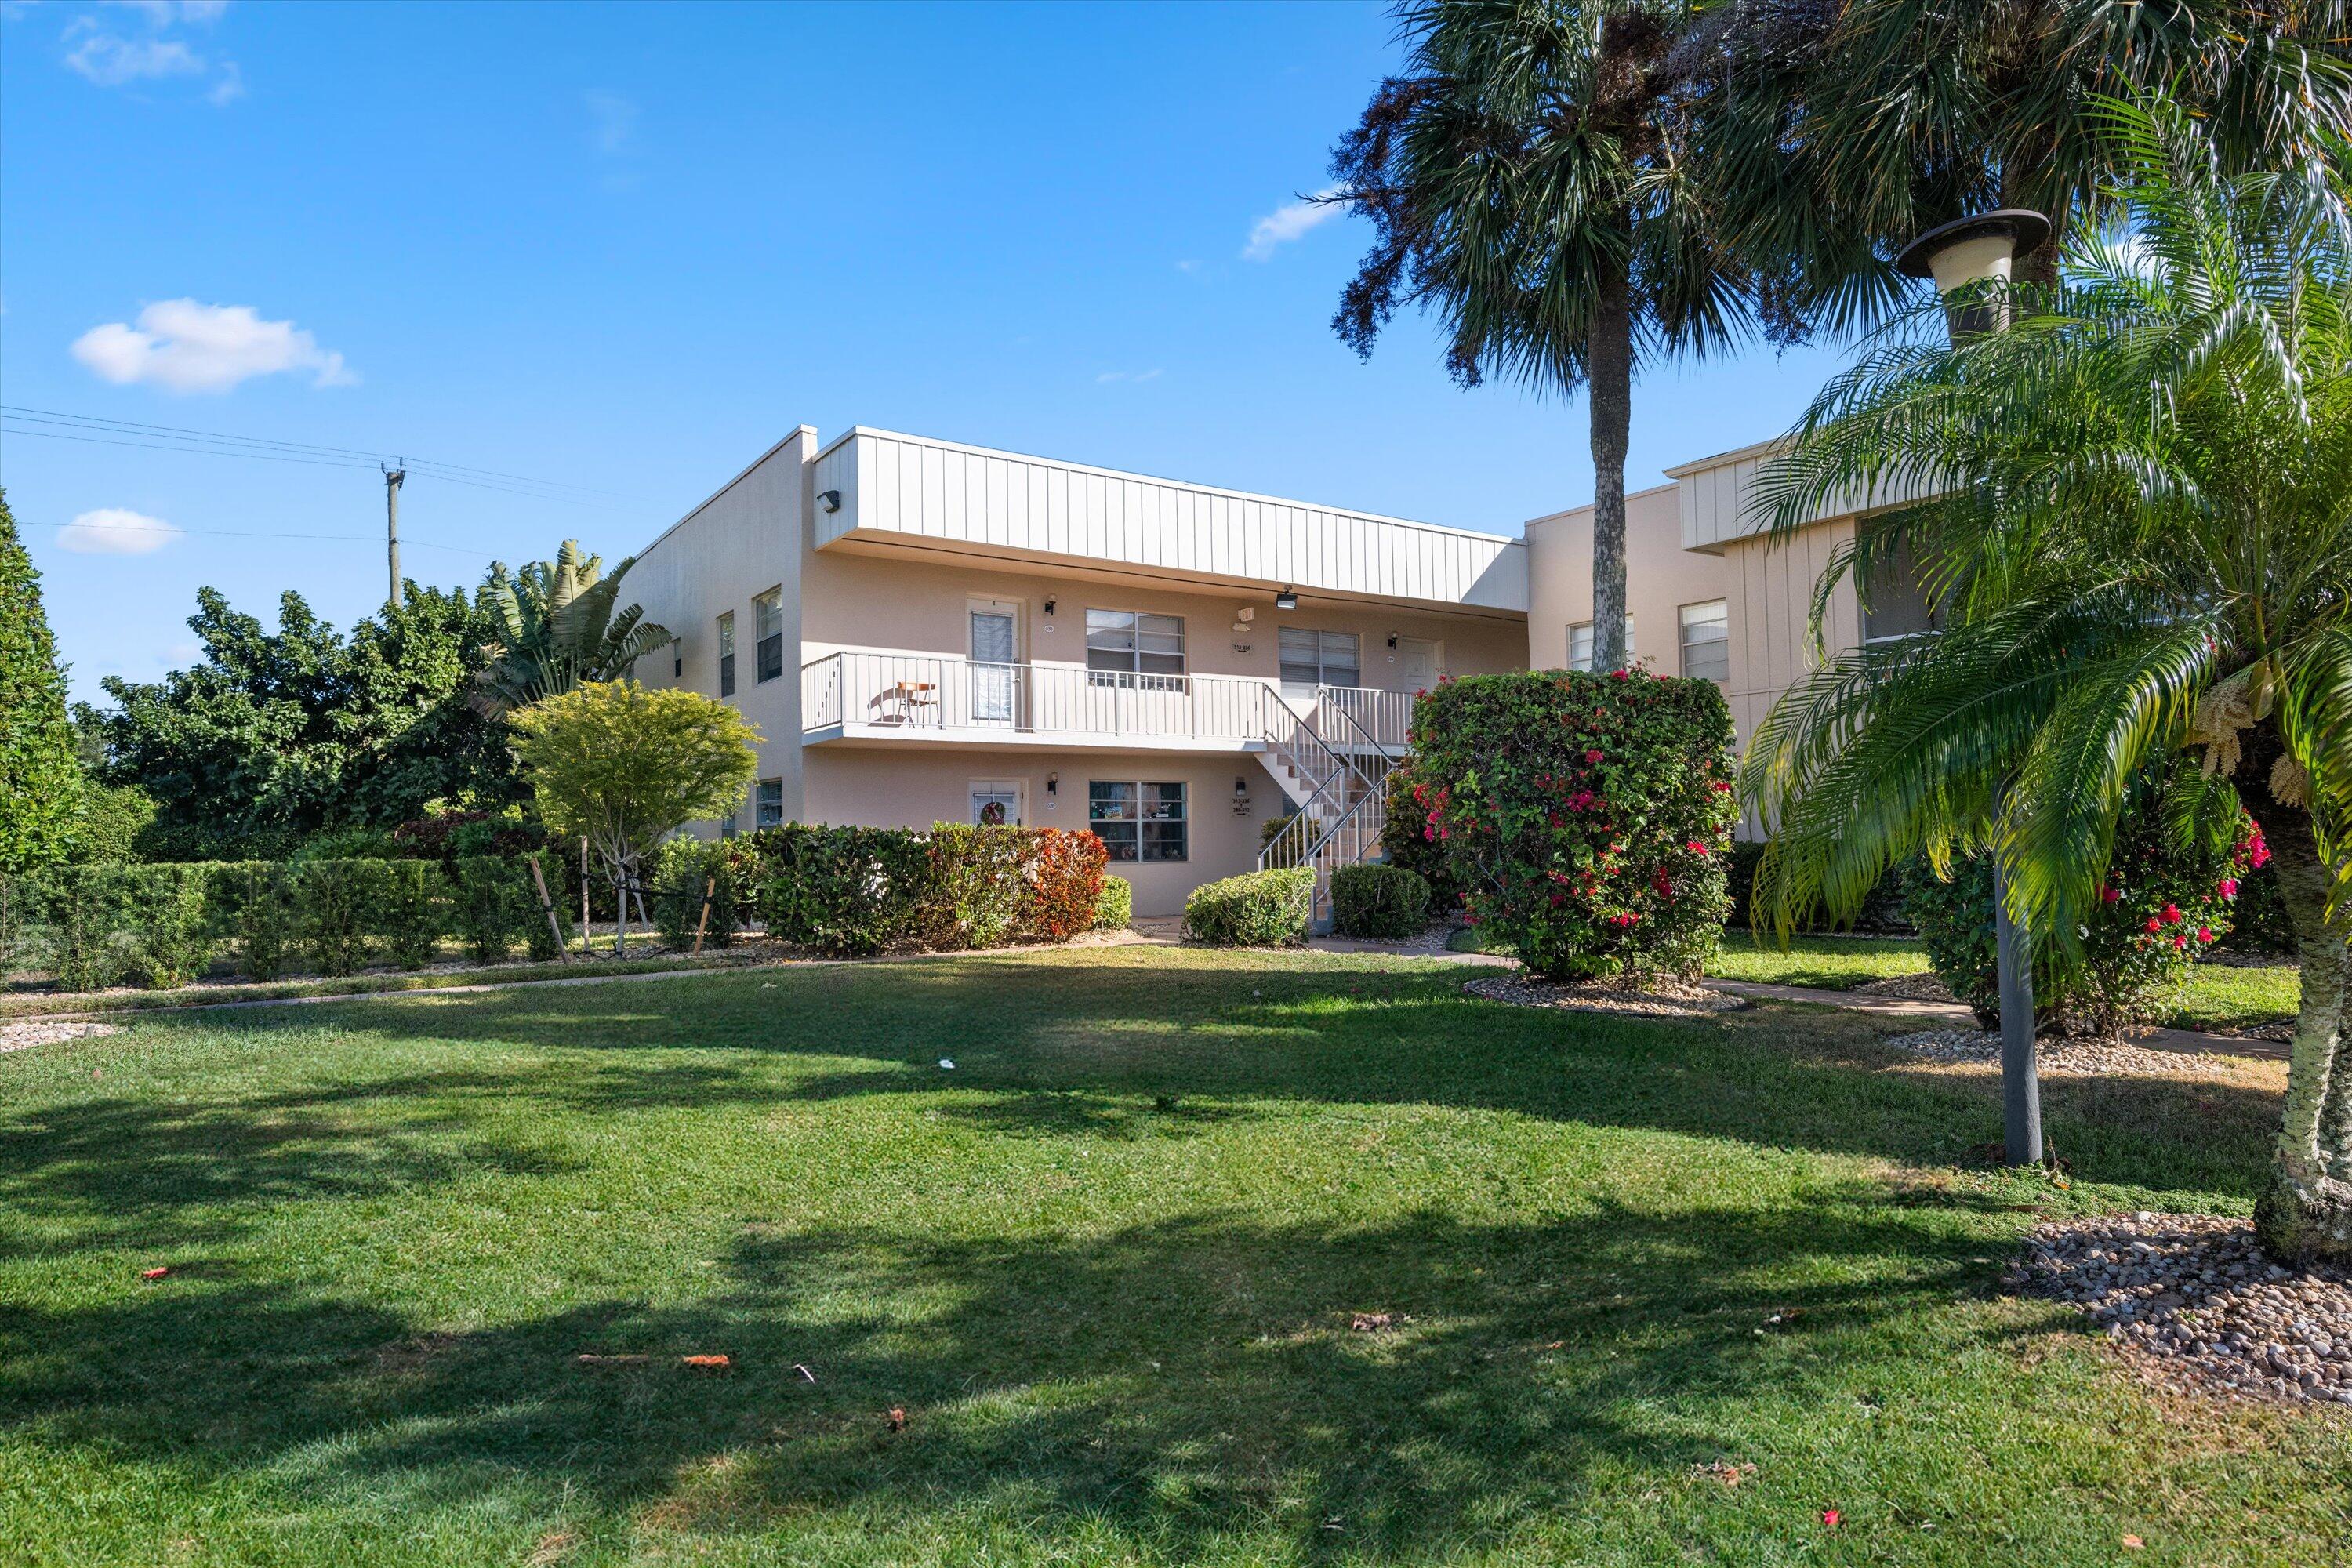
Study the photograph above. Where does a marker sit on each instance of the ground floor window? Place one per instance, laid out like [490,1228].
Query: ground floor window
[771,807]
[1138,821]
[996,802]
[1580,644]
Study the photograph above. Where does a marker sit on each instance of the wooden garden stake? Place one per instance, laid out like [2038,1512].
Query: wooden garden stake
[548,905]
[709,886]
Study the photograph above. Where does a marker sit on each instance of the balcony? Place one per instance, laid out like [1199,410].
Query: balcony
[892,696]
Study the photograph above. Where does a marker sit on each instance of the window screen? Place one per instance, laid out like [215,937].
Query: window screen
[1706,640]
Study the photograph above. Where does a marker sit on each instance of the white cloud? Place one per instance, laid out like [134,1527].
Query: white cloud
[183,346]
[111,58]
[115,531]
[615,118]
[1110,375]
[1290,221]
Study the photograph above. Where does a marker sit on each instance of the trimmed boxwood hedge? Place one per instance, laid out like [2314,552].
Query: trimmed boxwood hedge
[1258,909]
[850,890]
[1115,907]
[1383,902]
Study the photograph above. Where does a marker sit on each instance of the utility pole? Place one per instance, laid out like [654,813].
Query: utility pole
[392,478]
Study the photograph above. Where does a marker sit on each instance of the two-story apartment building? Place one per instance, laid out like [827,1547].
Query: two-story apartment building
[924,630]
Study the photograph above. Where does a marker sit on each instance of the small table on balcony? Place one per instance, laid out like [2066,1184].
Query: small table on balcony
[912,697]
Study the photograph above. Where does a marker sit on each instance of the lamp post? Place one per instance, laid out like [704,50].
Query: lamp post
[1960,256]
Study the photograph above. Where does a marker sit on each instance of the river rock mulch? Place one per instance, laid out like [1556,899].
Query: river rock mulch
[1921,987]
[2076,1057]
[29,1032]
[2193,1304]
[1653,999]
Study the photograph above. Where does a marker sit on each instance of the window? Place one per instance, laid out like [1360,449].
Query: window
[726,654]
[726,826]
[677,659]
[1896,600]
[1126,642]
[1580,644]
[769,811]
[768,622]
[1138,821]
[1706,640]
[996,802]
[1311,658]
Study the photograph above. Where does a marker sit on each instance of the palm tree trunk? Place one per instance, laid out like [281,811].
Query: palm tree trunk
[2306,1212]
[1610,375]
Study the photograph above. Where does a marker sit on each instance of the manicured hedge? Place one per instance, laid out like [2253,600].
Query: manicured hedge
[1258,909]
[1584,817]
[700,889]
[848,890]
[1378,901]
[1115,905]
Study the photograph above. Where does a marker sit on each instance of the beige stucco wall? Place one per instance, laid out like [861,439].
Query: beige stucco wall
[743,540]
[918,602]
[902,784]
[1661,578]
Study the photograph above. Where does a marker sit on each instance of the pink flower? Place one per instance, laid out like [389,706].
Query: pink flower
[1590,757]
[1617,674]
[2154,924]
[2204,933]
[2229,887]
[2111,895]
[2172,914]
[2179,941]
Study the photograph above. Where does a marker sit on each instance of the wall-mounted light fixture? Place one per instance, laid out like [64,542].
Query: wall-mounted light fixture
[1053,784]
[1286,600]
[829,500]
[676,659]
[1049,604]
[1392,639]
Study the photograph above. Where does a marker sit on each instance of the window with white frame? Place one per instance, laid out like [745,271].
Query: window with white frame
[1706,640]
[996,802]
[1313,658]
[1139,820]
[1132,644]
[726,654]
[1580,644]
[768,810]
[768,625]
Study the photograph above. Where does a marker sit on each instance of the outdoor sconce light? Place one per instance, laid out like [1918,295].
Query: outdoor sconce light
[1973,251]
[1286,600]
[829,500]
[1392,639]
[676,659]
[1049,604]
[1053,784]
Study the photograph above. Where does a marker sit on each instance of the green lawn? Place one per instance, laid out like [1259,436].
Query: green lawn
[2217,996]
[1107,1267]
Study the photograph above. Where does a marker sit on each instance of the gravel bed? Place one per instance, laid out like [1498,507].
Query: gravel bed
[1656,999]
[1921,987]
[30,1032]
[2082,1057]
[2196,1306]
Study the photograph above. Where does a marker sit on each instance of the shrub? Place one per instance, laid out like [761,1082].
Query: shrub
[338,900]
[254,901]
[351,844]
[1584,817]
[409,910]
[976,886]
[1882,913]
[1406,842]
[1258,909]
[1378,901]
[1115,905]
[1062,883]
[542,941]
[87,912]
[165,911]
[2164,904]
[843,891]
[112,820]
[686,872]
[491,901]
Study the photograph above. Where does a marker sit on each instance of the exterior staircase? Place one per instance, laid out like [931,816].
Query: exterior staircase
[1334,771]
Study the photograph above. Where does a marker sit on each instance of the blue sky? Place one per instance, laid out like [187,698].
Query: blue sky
[626,248]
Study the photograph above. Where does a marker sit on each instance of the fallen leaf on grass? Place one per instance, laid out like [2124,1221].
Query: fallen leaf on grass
[1373,1322]
[2133,1543]
[1723,1470]
[705,1362]
[550,1548]
[153,1273]
[896,1419]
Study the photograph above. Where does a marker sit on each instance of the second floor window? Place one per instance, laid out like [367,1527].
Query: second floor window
[768,625]
[769,808]
[1706,640]
[726,654]
[1129,642]
[1311,658]
[1580,644]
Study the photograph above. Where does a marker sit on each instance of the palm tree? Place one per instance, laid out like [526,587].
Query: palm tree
[2140,532]
[1528,181]
[1845,129]
[559,628]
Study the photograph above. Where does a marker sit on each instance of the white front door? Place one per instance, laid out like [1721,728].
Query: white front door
[1002,794]
[992,671]
[1422,666]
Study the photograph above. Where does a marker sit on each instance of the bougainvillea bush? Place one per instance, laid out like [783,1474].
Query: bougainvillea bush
[2167,901]
[1584,818]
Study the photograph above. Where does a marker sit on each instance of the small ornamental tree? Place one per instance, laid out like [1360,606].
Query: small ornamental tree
[623,768]
[40,777]
[1584,817]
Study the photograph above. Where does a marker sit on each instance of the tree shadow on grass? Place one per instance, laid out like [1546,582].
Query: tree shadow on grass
[1131,1032]
[1182,1380]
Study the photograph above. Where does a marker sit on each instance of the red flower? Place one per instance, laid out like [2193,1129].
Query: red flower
[1590,757]
[2229,887]
[1695,847]
[2179,941]
[2172,914]
[2154,924]
[2204,933]
[1617,674]
[1831,1516]
[2111,895]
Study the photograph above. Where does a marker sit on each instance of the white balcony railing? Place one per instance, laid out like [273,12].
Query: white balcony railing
[920,693]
